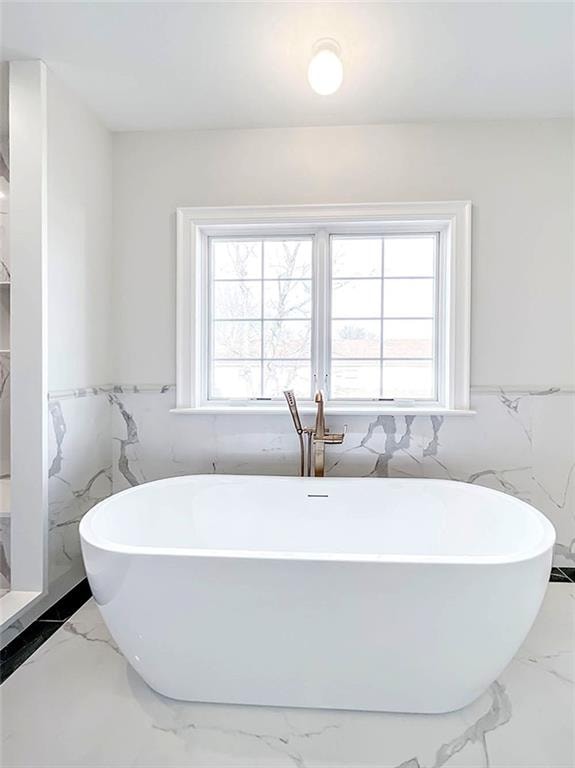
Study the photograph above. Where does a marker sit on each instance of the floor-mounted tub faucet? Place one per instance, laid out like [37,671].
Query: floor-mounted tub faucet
[312,450]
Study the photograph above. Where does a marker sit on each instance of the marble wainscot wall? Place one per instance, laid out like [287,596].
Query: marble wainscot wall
[79,475]
[519,442]
[4,472]
[4,414]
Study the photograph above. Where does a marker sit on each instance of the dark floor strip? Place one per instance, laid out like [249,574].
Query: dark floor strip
[69,604]
[570,572]
[28,641]
[558,575]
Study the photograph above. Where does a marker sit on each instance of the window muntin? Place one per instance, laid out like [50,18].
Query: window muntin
[260,317]
[375,341]
[383,317]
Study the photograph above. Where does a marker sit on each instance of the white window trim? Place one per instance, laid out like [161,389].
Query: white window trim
[195,225]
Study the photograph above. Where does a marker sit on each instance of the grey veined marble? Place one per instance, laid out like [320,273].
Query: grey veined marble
[521,443]
[79,475]
[76,702]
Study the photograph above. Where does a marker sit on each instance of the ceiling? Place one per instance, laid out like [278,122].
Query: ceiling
[150,65]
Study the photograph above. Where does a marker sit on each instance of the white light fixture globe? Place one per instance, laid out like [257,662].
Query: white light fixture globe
[325,71]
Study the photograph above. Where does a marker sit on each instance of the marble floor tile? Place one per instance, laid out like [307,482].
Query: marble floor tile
[76,702]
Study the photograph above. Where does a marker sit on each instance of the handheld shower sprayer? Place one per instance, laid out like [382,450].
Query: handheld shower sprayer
[292,405]
[293,409]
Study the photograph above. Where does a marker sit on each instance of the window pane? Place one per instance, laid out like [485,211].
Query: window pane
[356,258]
[236,260]
[355,338]
[407,338]
[287,258]
[409,379]
[356,298]
[358,379]
[408,298]
[287,298]
[407,256]
[237,339]
[237,300]
[287,338]
[253,280]
[281,375]
[235,380]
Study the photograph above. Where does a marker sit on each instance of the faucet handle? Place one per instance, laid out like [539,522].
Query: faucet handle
[334,438]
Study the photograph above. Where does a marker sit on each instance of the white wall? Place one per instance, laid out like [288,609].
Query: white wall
[28,380]
[518,175]
[79,249]
[4,149]
[79,217]
[75,208]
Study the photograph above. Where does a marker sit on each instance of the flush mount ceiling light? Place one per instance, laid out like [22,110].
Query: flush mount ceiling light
[325,71]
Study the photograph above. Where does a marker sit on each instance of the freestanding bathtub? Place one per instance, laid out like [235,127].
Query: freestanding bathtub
[374,594]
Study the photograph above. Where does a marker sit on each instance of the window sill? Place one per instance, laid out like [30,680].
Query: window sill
[372,410]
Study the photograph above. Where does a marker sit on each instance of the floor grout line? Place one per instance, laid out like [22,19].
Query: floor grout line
[52,621]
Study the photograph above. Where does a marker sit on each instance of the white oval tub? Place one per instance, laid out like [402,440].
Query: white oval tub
[375,594]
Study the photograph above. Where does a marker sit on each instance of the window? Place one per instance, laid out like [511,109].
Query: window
[370,303]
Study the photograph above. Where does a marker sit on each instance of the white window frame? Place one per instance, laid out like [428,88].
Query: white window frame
[452,222]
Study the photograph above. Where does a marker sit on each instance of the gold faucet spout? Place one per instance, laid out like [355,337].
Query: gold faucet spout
[320,430]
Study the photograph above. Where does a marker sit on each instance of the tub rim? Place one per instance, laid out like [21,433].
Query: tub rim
[544,544]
